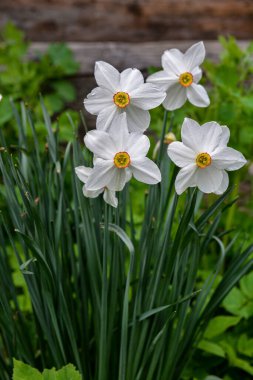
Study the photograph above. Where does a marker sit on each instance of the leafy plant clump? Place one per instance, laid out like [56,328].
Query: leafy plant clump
[116,306]
[23,78]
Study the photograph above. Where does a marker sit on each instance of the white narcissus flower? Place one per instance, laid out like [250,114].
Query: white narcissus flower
[180,76]
[119,155]
[204,157]
[119,93]
[109,196]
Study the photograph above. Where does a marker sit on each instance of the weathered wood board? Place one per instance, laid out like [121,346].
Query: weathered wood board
[123,55]
[129,20]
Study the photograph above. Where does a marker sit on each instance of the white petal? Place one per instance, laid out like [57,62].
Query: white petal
[197,74]
[101,144]
[145,170]
[101,175]
[194,56]
[98,99]
[197,95]
[208,179]
[83,173]
[137,119]
[107,76]
[201,138]
[130,79]
[185,178]
[138,145]
[180,154]
[110,198]
[119,132]
[92,193]
[173,62]
[147,96]
[225,135]
[128,174]
[118,180]
[176,97]
[162,80]
[211,134]
[228,158]
[224,183]
[105,117]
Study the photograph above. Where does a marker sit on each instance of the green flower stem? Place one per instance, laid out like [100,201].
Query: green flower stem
[102,369]
[165,117]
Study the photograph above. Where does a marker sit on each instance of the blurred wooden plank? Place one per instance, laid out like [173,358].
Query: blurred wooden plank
[129,20]
[123,55]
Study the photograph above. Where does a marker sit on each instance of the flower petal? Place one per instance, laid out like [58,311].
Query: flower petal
[92,193]
[224,184]
[225,135]
[209,179]
[138,145]
[185,178]
[101,175]
[176,97]
[145,170]
[130,79]
[101,144]
[118,180]
[201,138]
[147,96]
[98,99]
[181,154]
[105,117]
[197,95]
[137,119]
[83,173]
[173,62]
[162,80]
[194,56]
[107,76]
[197,74]
[119,132]
[110,198]
[228,158]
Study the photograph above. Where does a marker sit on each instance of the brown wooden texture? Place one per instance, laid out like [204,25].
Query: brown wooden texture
[124,55]
[129,20]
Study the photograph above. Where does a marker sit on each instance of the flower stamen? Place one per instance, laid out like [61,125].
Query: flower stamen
[203,160]
[122,160]
[121,99]
[186,79]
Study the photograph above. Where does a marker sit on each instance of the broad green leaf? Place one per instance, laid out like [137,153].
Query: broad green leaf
[23,371]
[234,301]
[246,285]
[211,348]
[234,361]
[220,324]
[245,345]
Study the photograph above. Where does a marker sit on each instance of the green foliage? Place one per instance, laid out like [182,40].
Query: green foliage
[25,372]
[23,78]
[119,302]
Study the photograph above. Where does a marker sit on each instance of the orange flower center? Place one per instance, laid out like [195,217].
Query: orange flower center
[121,99]
[122,160]
[203,160]
[186,79]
